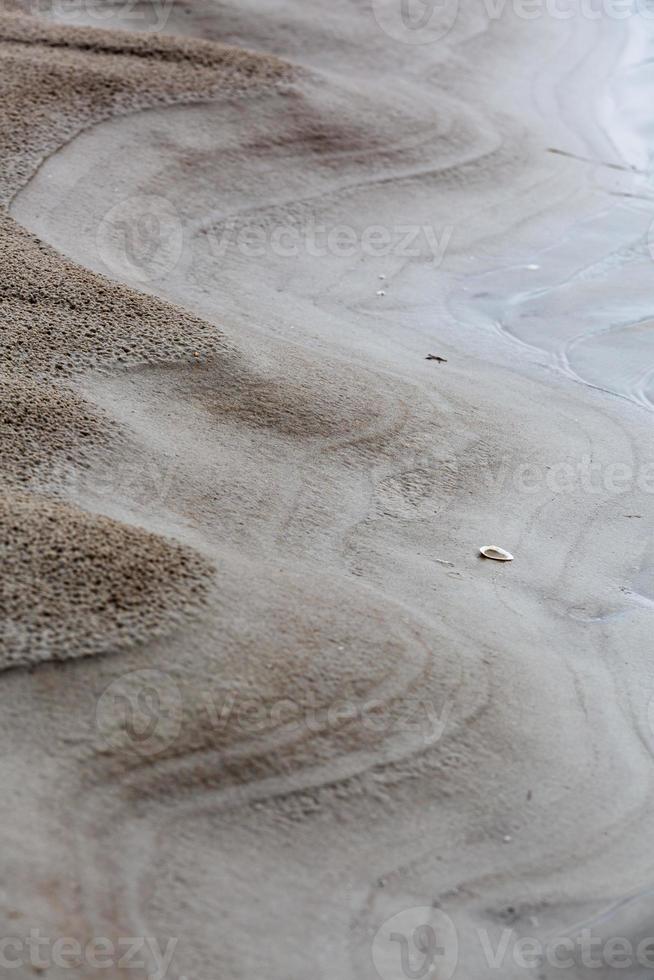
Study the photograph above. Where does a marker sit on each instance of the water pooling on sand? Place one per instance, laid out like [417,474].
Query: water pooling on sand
[583,294]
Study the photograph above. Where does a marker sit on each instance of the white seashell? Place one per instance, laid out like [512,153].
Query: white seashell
[498,554]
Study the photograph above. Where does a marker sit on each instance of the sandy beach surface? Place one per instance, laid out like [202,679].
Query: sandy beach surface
[301,305]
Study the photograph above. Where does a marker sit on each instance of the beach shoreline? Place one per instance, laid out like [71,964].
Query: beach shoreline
[344,714]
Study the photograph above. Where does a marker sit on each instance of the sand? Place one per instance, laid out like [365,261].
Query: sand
[239,497]
[59,320]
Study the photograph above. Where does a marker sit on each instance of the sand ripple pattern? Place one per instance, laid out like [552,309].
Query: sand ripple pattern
[470,737]
[59,320]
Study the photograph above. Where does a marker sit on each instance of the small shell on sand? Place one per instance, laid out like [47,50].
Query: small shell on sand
[498,554]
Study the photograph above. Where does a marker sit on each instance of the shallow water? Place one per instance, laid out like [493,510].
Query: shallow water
[583,295]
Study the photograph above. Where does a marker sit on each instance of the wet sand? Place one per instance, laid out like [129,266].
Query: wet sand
[300,703]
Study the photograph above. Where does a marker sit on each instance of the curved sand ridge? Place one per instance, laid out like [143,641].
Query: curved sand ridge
[79,584]
[124,585]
